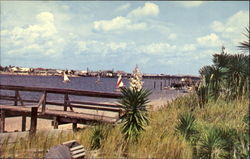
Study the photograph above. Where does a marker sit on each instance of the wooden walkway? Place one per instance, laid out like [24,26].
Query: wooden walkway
[41,108]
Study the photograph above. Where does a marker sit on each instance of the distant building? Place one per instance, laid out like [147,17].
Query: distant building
[40,71]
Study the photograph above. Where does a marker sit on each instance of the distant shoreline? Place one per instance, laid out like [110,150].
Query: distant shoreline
[70,75]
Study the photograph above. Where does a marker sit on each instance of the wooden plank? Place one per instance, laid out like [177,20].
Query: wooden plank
[64,116]
[2,121]
[96,108]
[63,91]
[93,107]
[78,155]
[76,148]
[33,123]
[77,151]
[23,123]
[69,142]
[95,103]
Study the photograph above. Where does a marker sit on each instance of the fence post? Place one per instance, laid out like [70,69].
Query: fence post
[66,98]
[16,95]
[33,123]
[55,122]
[44,101]
[24,123]
[74,126]
[2,121]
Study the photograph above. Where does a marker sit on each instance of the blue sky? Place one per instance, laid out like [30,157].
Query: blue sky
[160,36]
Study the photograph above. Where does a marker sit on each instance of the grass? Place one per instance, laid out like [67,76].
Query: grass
[159,140]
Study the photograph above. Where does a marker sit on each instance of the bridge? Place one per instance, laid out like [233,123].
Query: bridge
[66,111]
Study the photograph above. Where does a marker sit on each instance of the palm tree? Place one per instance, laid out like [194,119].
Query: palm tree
[245,45]
[136,117]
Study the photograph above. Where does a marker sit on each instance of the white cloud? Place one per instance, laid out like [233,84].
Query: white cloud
[123,7]
[149,9]
[157,48]
[188,47]
[45,17]
[128,22]
[233,27]
[41,38]
[211,40]
[172,36]
[189,4]
[118,23]
[101,48]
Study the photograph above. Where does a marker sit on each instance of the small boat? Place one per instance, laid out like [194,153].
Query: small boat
[65,78]
[98,79]
[119,83]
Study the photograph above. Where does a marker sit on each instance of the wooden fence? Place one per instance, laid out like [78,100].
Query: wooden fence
[43,102]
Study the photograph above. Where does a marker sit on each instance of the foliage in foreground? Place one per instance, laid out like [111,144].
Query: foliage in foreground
[221,131]
[136,116]
[227,78]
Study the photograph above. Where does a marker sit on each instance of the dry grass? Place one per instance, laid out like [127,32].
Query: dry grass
[159,140]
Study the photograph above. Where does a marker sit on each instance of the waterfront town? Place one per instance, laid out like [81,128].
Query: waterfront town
[17,70]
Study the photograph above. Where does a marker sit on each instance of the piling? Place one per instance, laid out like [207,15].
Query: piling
[154,84]
[74,126]
[24,123]
[16,94]
[161,86]
[2,121]
[44,101]
[66,98]
[33,122]
[55,122]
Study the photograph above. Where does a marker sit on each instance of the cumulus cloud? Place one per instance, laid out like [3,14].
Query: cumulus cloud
[189,4]
[149,9]
[101,48]
[157,48]
[188,47]
[118,23]
[233,27]
[211,40]
[128,22]
[39,38]
[123,7]
[172,36]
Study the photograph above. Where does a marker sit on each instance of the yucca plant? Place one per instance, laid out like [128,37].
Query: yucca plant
[136,117]
[211,145]
[186,125]
[97,135]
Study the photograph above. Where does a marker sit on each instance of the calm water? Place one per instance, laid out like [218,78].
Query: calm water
[79,83]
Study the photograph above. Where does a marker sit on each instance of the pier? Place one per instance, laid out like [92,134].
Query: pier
[69,108]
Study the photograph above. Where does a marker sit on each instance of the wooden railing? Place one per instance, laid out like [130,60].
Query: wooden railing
[66,102]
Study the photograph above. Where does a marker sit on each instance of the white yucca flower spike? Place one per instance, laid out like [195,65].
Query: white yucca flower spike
[136,79]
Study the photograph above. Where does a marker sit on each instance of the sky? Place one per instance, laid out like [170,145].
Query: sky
[159,36]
